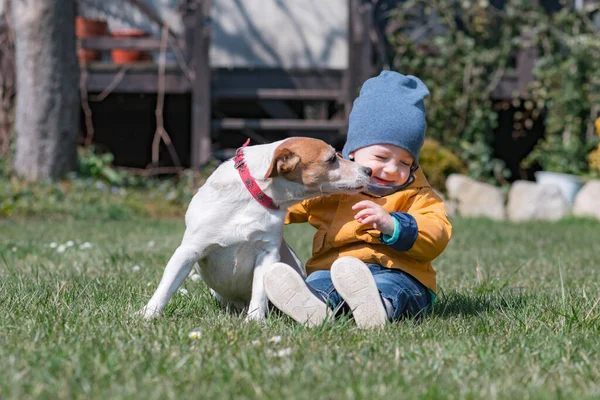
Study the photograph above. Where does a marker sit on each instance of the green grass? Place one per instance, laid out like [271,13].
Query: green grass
[517,317]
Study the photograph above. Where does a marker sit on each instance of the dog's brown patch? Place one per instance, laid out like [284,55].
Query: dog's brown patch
[302,160]
[284,162]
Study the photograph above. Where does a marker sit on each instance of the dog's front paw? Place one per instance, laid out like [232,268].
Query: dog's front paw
[256,315]
[148,313]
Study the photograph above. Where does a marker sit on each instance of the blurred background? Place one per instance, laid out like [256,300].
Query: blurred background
[123,90]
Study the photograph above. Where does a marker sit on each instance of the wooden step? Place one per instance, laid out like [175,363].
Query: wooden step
[277,94]
[109,43]
[278,124]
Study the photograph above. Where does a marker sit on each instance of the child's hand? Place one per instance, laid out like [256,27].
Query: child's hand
[374,215]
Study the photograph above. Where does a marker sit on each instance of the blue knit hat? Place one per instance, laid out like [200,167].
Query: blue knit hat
[389,110]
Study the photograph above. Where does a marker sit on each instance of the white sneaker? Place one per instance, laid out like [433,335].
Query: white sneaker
[288,292]
[355,284]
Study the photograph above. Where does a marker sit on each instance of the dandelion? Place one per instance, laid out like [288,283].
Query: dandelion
[256,342]
[53,245]
[70,243]
[14,249]
[135,268]
[183,291]
[61,248]
[195,277]
[195,335]
[151,243]
[86,245]
[274,339]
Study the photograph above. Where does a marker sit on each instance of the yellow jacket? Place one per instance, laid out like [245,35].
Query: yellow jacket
[338,234]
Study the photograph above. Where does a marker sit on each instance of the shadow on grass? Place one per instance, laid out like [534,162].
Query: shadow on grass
[479,301]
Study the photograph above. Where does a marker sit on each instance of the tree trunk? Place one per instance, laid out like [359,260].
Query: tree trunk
[47,110]
[7,83]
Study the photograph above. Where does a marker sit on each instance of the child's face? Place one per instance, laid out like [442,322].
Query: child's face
[390,164]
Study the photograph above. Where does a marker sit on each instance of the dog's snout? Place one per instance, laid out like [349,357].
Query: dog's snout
[367,170]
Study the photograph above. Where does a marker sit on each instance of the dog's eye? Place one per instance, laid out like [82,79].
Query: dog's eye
[333,159]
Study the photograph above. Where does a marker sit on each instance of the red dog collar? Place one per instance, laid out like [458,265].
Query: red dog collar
[249,182]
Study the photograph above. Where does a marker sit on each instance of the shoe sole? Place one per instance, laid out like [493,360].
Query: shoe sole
[355,284]
[286,289]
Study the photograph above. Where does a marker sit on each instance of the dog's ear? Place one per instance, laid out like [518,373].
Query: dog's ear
[284,161]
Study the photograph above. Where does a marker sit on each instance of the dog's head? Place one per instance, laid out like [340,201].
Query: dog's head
[316,166]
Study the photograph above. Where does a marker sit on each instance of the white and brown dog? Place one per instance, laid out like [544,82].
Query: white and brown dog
[234,223]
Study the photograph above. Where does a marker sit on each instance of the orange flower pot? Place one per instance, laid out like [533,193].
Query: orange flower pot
[85,28]
[88,27]
[122,56]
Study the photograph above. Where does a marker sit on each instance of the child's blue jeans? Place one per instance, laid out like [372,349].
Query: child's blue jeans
[408,296]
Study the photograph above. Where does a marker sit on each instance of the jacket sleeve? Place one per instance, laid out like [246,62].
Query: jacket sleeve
[434,230]
[297,213]
[407,232]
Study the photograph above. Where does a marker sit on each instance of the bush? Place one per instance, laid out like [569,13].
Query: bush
[98,166]
[438,162]
[594,162]
[463,49]
[555,154]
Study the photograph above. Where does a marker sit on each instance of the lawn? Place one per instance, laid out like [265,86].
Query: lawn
[517,317]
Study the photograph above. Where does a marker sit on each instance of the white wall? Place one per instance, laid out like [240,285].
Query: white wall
[284,33]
